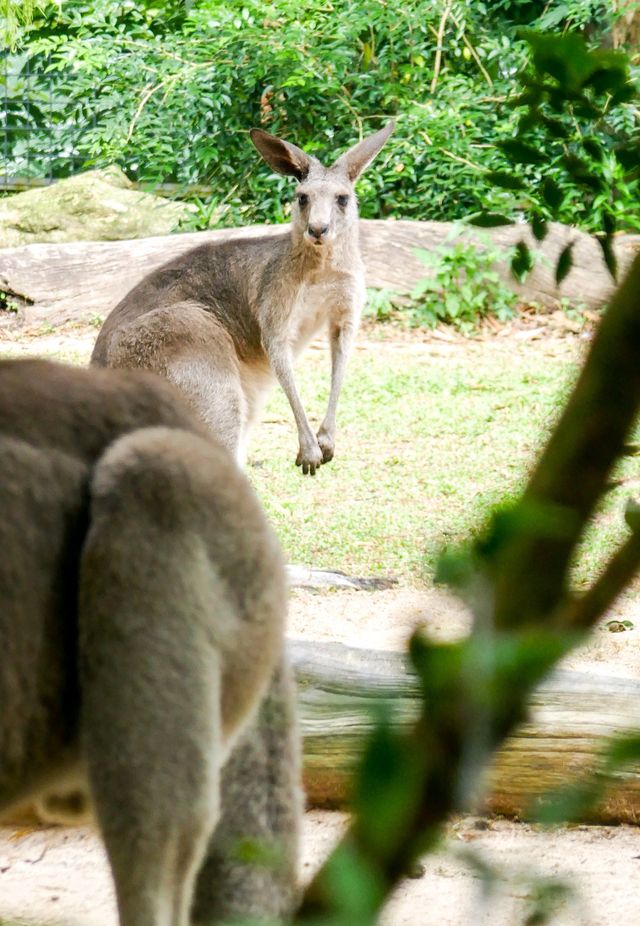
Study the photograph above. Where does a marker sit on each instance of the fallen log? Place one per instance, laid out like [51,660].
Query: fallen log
[60,283]
[572,716]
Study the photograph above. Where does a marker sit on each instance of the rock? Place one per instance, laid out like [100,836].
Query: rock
[99,205]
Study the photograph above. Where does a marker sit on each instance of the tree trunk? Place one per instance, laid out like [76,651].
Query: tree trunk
[626,32]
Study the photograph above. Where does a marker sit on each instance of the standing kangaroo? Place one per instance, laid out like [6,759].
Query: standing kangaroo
[223,320]
[142,602]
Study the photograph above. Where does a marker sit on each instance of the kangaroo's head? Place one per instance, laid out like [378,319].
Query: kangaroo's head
[325,204]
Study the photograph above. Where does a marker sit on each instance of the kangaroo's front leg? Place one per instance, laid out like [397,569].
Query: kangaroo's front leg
[342,334]
[310,455]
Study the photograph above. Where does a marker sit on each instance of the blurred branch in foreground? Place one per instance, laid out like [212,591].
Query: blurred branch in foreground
[516,579]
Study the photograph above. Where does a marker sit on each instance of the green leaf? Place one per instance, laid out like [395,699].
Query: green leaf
[610,259]
[521,262]
[505,180]
[593,148]
[625,94]
[539,227]
[555,127]
[530,97]
[489,219]
[628,154]
[565,262]
[611,77]
[569,803]
[520,152]
[563,57]
[387,787]
[581,173]
[623,751]
[551,193]
[632,515]
[454,568]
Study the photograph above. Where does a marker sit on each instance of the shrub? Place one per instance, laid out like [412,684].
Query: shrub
[464,287]
[168,90]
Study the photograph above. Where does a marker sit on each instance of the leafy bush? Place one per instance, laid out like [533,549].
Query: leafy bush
[575,156]
[464,288]
[461,288]
[168,90]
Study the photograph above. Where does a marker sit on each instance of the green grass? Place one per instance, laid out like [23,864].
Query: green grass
[427,444]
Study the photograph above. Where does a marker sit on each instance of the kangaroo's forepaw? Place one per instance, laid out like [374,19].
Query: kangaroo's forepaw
[326,442]
[310,459]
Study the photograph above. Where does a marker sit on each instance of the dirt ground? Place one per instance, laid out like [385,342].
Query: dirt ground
[59,875]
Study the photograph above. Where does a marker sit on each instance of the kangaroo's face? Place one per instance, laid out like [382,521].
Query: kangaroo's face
[325,204]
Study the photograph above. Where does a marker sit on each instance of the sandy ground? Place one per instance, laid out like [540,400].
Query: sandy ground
[60,876]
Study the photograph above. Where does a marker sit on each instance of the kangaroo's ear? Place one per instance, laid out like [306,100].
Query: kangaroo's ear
[354,161]
[281,155]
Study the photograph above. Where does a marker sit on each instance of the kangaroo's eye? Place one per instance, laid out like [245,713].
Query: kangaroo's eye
[342,199]
[303,200]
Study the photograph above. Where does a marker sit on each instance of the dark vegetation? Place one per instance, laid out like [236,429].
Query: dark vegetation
[168,90]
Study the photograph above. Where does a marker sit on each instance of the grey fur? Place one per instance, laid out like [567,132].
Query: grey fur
[224,321]
[142,601]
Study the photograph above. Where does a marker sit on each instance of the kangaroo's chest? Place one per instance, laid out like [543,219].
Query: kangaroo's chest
[317,304]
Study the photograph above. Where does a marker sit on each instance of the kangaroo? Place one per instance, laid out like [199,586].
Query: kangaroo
[225,321]
[142,602]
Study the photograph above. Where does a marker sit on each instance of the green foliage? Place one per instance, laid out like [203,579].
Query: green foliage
[15,15]
[171,98]
[575,156]
[382,304]
[464,287]
[461,289]
[168,91]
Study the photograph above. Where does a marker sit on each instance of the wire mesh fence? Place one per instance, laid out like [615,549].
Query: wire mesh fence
[38,137]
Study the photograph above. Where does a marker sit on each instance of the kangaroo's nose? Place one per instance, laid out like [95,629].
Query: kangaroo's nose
[317,231]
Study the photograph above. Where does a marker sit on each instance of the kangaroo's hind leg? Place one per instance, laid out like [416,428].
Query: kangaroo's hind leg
[157,627]
[249,874]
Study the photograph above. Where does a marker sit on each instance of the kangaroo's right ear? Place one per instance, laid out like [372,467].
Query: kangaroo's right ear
[281,155]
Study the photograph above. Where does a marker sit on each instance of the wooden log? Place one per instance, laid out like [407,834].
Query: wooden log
[572,716]
[58,283]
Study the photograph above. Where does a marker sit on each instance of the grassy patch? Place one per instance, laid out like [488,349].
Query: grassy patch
[429,440]
[427,444]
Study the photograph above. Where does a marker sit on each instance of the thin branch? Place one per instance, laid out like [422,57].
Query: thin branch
[146,96]
[456,157]
[620,570]
[474,53]
[440,38]
[573,471]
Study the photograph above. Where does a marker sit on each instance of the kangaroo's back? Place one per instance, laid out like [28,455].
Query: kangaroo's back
[142,600]
[222,278]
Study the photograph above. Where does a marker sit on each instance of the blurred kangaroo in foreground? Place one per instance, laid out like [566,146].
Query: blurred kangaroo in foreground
[142,602]
[223,320]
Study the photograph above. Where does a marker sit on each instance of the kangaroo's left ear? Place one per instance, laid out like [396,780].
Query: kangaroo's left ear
[354,161]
